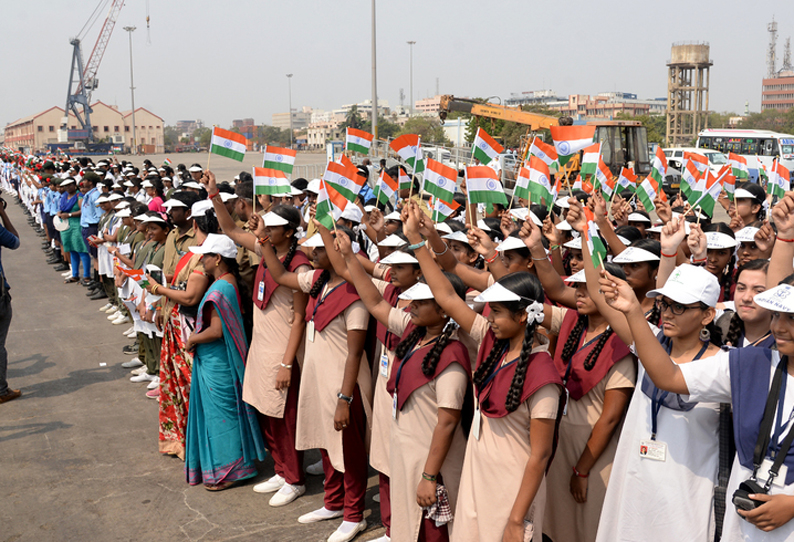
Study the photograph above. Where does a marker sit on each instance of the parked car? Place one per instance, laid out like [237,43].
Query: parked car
[675,157]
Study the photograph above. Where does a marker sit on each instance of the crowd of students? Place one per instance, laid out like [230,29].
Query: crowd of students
[503,386]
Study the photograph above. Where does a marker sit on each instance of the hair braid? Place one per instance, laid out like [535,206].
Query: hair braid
[293,247]
[517,385]
[727,280]
[430,362]
[592,357]
[655,315]
[412,339]
[324,277]
[488,364]
[573,338]
[566,262]
[735,330]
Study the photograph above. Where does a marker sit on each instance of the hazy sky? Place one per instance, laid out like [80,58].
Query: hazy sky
[218,61]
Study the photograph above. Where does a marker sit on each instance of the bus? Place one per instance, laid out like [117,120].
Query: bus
[754,145]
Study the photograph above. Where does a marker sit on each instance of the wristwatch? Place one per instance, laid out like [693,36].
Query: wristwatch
[349,400]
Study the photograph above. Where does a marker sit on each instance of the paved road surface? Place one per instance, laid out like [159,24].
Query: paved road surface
[78,451]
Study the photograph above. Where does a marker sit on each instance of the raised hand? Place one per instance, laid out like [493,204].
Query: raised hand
[697,242]
[765,237]
[673,234]
[783,216]
[507,225]
[256,225]
[531,235]
[575,216]
[376,221]
[663,209]
[617,293]
[480,242]
[549,230]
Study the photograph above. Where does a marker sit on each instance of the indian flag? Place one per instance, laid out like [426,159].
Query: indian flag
[646,193]
[569,140]
[485,147]
[739,166]
[627,179]
[700,162]
[344,180]
[544,151]
[521,189]
[690,177]
[590,157]
[483,185]
[358,140]
[596,245]
[443,210]
[440,180]
[385,188]
[405,180]
[555,191]
[167,162]
[272,182]
[539,181]
[408,148]
[762,174]
[279,158]
[711,189]
[228,144]
[604,179]
[779,180]
[728,181]
[330,205]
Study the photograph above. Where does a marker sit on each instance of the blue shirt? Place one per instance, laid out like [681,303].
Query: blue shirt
[90,213]
[53,207]
[8,240]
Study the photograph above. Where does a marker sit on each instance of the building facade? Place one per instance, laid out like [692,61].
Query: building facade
[778,93]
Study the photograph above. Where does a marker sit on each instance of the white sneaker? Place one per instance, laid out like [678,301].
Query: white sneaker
[113,313]
[131,334]
[320,515]
[143,377]
[128,330]
[269,486]
[286,495]
[139,371]
[66,274]
[134,362]
[106,307]
[347,531]
[122,319]
[154,383]
[315,469]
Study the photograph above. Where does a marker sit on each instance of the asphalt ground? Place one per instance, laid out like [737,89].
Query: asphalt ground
[78,450]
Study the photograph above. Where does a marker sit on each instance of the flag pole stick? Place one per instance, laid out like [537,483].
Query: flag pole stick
[209,150]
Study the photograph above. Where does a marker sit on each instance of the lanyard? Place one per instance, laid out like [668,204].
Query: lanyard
[658,402]
[498,369]
[405,359]
[774,443]
[320,302]
[779,452]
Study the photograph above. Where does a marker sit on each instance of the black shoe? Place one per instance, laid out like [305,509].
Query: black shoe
[92,291]
[99,295]
[52,260]
[130,349]
[91,284]
[61,267]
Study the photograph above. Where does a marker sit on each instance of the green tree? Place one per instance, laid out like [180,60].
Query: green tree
[656,125]
[270,135]
[353,120]
[386,128]
[720,120]
[170,136]
[202,136]
[770,119]
[428,129]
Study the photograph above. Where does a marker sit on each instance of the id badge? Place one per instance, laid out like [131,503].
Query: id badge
[567,398]
[476,422]
[310,331]
[394,405]
[763,473]
[653,449]
[384,365]
[260,294]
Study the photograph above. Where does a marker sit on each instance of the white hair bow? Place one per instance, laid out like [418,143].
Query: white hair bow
[535,312]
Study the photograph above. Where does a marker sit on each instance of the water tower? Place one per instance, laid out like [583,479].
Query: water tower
[687,92]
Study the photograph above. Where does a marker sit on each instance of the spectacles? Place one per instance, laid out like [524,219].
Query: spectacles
[676,308]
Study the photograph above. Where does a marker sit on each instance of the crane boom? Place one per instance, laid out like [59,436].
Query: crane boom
[535,121]
[92,66]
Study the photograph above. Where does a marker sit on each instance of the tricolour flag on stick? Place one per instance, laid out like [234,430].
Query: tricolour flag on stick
[358,140]
[485,147]
[279,158]
[228,144]
[405,180]
[407,147]
[700,162]
[711,189]
[483,186]
[568,140]
[137,275]
[763,176]
[604,180]
[739,166]
[344,180]
[596,245]
[779,180]
[590,156]
[544,151]
[539,181]
[440,180]
[728,180]
[689,182]
[385,188]
[646,193]
[521,189]
[269,181]
[627,180]
[443,210]
[330,205]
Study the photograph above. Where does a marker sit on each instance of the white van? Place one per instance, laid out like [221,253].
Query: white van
[675,157]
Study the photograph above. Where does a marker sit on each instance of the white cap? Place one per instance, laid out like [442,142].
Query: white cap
[102,199]
[124,213]
[577,277]
[777,299]
[225,196]
[152,169]
[313,186]
[521,214]
[195,169]
[575,243]
[271,219]
[314,241]
[102,163]
[114,197]
[655,229]
[564,226]
[394,215]
[352,213]
[634,255]
[392,241]
[155,218]
[398,256]
[173,202]
[130,174]
[717,240]
[141,217]
[128,183]
[496,293]
[623,240]
[67,181]
[417,292]
[511,243]
[164,179]
[369,208]
[443,227]
[122,205]
[216,244]
[562,203]
[294,191]
[689,284]
[747,234]
[482,225]
[191,184]
[741,193]
[459,236]
[147,184]
[200,208]
[638,217]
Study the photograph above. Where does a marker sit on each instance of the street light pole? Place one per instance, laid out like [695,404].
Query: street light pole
[374,78]
[130,30]
[289,84]
[411,70]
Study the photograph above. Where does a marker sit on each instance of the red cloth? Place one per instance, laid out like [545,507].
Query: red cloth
[332,305]
[346,490]
[581,381]
[279,434]
[263,275]
[384,490]
[388,339]
[412,377]
[541,371]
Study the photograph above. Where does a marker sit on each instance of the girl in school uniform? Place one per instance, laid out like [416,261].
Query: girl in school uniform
[333,404]
[517,393]
[750,324]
